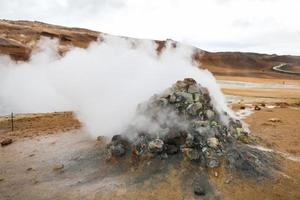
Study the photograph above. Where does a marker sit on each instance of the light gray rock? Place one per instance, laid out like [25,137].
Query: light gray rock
[156,146]
[193,109]
[213,142]
[213,163]
[210,114]
[191,154]
[184,96]
[194,89]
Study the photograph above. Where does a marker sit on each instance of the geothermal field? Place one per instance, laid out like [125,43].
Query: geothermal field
[89,115]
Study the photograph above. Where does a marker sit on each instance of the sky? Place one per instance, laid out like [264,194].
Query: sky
[264,26]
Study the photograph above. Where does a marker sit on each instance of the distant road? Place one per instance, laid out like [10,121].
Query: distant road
[283,68]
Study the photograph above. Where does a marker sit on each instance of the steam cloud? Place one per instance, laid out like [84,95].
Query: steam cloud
[102,85]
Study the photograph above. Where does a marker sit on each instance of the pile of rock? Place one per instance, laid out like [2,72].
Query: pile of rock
[182,119]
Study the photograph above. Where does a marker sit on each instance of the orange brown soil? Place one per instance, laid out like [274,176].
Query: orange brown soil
[281,136]
[265,93]
[30,125]
[280,80]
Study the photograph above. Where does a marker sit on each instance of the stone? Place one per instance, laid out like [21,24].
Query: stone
[181,85]
[192,154]
[184,96]
[275,120]
[29,169]
[100,138]
[199,123]
[213,142]
[189,81]
[212,163]
[198,190]
[156,146]
[256,107]
[118,146]
[194,89]
[189,141]
[163,156]
[216,174]
[210,114]
[6,141]
[162,102]
[58,167]
[197,97]
[118,150]
[172,98]
[194,108]
[171,149]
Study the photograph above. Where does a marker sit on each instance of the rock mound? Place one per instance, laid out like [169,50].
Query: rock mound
[183,120]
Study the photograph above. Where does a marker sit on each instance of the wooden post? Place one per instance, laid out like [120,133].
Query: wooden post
[12,121]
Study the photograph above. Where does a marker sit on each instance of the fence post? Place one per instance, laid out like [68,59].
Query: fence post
[12,121]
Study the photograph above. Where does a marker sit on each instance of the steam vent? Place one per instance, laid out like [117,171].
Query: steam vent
[183,121]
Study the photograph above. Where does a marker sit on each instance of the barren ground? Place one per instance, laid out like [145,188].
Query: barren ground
[52,157]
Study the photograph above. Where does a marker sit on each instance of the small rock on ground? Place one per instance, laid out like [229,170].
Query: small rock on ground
[6,142]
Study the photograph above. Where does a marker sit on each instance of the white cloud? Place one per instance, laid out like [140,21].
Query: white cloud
[269,26]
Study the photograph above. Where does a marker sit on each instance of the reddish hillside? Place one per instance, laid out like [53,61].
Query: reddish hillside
[18,38]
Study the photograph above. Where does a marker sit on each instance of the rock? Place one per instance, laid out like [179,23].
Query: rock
[197,97]
[58,167]
[171,149]
[100,138]
[184,96]
[228,181]
[213,163]
[29,169]
[275,120]
[181,85]
[6,142]
[189,81]
[172,98]
[156,146]
[118,150]
[189,141]
[213,142]
[164,156]
[194,89]
[256,107]
[117,147]
[198,190]
[162,102]
[194,108]
[192,154]
[210,114]
[216,174]
[199,123]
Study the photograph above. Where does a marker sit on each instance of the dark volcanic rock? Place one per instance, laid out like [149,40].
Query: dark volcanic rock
[6,142]
[183,120]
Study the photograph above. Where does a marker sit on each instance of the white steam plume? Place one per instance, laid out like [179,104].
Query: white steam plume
[102,84]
